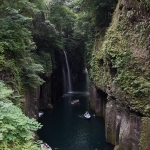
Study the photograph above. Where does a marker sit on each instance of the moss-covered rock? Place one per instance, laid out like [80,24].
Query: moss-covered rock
[120,68]
[145,138]
[120,62]
[116,147]
[110,123]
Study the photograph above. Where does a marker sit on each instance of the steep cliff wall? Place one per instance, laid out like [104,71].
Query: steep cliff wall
[120,68]
[124,128]
[32,98]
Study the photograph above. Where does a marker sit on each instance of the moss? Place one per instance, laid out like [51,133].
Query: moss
[110,136]
[144,138]
[110,131]
[146,4]
[92,106]
[124,49]
[99,113]
[116,147]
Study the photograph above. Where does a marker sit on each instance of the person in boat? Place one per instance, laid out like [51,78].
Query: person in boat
[46,145]
[86,113]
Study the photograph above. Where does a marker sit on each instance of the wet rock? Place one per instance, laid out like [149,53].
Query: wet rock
[32,103]
[110,123]
[50,106]
[97,101]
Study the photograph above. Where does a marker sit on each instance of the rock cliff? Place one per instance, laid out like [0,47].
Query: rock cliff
[120,74]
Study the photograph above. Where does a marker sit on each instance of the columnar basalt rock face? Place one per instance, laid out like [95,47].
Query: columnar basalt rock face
[128,130]
[92,96]
[97,101]
[120,68]
[45,95]
[145,134]
[32,98]
[110,123]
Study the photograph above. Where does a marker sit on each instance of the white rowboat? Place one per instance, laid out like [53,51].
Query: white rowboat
[87,115]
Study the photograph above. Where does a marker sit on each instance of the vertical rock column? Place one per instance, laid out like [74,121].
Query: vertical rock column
[32,103]
[97,101]
[45,97]
[145,134]
[110,123]
[92,96]
[130,131]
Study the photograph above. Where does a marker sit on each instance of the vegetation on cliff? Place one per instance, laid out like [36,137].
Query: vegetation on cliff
[16,130]
[28,42]
[19,71]
[120,63]
[144,134]
[31,31]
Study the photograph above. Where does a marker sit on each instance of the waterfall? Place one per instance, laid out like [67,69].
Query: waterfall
[87,84]
[65,89]
[67,78]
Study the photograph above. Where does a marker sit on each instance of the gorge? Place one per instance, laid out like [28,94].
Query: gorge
[65,127]
[45,47]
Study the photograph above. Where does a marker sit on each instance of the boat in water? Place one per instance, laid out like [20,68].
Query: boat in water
[75,101]
[87,115]
[45,146]
[41,113]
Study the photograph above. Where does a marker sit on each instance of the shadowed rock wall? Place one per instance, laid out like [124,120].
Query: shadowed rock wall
[125,129]
[120,69]
[32,98]
[97,100]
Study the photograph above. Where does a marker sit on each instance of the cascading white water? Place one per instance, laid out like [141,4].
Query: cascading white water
[68,74]
[65,89]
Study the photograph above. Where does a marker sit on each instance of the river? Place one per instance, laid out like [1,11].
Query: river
[65,128]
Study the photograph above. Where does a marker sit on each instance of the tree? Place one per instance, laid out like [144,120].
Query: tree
[16,44]
[16,130]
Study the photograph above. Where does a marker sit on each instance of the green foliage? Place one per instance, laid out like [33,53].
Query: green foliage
[101,11]
[23,7]
[30,73]
[91,18]
[16,130]
[120,59]
[16,44]
[63,19]
[146,4]
[15,126]
[40,4]
[144,144]
[84,31]
[5,92]
[47,41]
[44,59]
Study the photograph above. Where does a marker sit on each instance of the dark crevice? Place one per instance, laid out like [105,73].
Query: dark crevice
[102,93]
[112,98]
[103,96]
[129,8]
[136,113]
[121,6]
[117,132]
[101,62]
[113,71]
